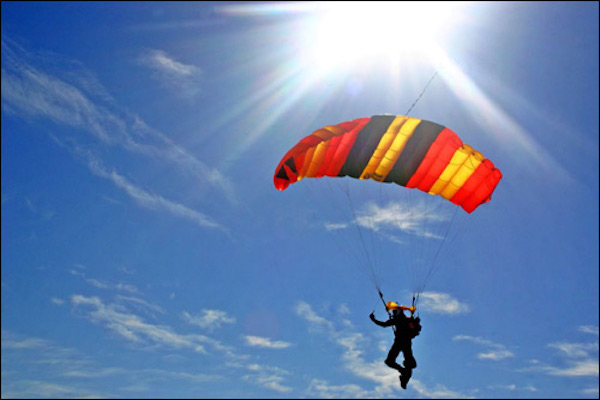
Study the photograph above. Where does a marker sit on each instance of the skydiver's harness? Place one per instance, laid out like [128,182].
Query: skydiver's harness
[414,323]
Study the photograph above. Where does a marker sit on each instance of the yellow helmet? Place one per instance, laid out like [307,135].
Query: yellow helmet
[392,305]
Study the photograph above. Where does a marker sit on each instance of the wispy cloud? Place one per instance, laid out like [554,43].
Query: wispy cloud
[581,358]
[180,78]
[400,217]
[70,96]
[270,381]
[322,389]
[575,350]
[333,226]
[208,319]
[30,388]
[395,219]
[589,329]
[153,201]
[39,351]
[305,311]
[57,301]
[494,352]
[124,287]
[513,387]
[441,303]
[258,341]
[70,374]
[267,376]
[96,373]
[133,328]
[10,341]
[141,305]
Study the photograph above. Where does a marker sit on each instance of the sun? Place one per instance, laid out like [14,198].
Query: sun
[353,35]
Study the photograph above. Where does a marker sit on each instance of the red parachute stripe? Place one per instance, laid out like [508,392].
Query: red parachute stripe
[479,187]
[347,141]
[437,158]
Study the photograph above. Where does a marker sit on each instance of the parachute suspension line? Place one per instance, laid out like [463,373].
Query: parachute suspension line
[342,242]
[433,262]
[414,277]
[422,93]
[362,241]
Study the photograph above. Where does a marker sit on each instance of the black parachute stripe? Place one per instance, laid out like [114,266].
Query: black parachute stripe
[414,152]
[365,145]
[291,164]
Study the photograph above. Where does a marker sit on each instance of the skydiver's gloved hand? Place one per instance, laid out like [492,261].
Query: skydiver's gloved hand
[372,316]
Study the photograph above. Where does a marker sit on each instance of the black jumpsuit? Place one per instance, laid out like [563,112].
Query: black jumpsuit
[402,343]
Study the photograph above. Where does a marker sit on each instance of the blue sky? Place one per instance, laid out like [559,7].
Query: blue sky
[147,254]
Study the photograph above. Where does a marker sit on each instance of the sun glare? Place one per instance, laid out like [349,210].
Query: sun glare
[347,35]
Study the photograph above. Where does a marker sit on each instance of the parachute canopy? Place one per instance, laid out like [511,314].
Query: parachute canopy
[408,151]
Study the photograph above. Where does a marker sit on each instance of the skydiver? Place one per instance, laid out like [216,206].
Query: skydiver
[406,328]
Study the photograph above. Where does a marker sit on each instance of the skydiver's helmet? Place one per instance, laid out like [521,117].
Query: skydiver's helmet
[393,307]
[397,308]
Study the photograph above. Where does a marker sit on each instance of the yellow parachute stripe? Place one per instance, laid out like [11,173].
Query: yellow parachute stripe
[391,155]
[384,144]
[307,158]
[317,159]
[462,165]
[314,155]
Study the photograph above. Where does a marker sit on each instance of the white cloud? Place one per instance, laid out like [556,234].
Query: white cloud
[582,358]
[513,388]
[42,351]
[400,217]
[209,319]
[322,389]
[257,341]
[441,303]
[575,350]
[141,305]
[133,328]
[495,351]
[181,79]
[57,301]
[124,287]
[332,226]
[149,200]
[589,329]
[11,342]
[590,391]
[395,220]
[305,311]
[264,375]
[30,388]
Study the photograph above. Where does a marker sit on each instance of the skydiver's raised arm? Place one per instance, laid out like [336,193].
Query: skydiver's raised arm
[389,322]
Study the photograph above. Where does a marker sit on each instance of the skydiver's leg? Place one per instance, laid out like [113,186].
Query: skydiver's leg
[409,359]
[409,364]
[390,361]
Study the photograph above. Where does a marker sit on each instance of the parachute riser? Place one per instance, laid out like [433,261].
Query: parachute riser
[386,309]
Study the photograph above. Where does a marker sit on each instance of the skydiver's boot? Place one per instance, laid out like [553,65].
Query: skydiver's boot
[405,377]
[402,372]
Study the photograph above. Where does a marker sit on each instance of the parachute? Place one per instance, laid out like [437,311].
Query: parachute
[408,151]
